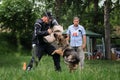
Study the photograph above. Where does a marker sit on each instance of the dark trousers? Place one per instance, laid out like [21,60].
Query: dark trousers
[39,50]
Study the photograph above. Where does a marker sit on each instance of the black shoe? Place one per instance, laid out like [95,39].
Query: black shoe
[58,69]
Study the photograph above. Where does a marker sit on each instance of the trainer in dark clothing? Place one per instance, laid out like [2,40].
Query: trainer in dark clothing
[41,29]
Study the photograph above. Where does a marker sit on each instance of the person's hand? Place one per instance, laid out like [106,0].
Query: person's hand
[83,46]
[49,31]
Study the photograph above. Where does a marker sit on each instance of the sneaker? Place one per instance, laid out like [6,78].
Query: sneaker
[58,70]
[29,67]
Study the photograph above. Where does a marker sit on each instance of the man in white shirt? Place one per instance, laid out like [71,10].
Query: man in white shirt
[77,36]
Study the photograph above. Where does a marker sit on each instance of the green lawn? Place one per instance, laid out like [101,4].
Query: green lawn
[11,69]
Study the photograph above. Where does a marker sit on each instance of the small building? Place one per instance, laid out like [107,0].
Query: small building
[91,46]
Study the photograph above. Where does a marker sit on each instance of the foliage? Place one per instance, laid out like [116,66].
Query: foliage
[19,17]
[84,10]
[16,15]
[6,45]
[115,14]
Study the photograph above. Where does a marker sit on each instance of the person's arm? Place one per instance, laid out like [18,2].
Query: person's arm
[68,39]
[39,32]
[68,35]
[84,41]
[54,22]
[83,38]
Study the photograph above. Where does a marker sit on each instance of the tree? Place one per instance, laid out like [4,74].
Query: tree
[115,13]
[17,15]
[107,8]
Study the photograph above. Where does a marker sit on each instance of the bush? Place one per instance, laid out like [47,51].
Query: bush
[7,43]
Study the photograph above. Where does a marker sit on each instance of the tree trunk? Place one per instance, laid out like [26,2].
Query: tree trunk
[95,21]
[19,46]
[95,13]
[107,29]
[58,5]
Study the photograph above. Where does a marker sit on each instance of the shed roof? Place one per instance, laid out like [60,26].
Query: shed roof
[92,34]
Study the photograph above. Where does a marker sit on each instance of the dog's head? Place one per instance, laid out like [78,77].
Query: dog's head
[57,30]
[72,62]
[71,55]
[71,58]
[61,40]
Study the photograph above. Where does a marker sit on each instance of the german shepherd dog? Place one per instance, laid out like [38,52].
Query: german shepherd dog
[71,58]
[69,54]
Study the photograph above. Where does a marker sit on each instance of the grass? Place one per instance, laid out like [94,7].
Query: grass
[11,69]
